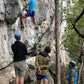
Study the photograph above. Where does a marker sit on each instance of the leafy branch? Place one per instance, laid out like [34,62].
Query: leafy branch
[78,18]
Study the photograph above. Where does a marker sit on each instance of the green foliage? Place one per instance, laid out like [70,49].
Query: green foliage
[72,42]
[49,79]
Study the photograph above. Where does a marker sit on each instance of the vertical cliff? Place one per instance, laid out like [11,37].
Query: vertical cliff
[10,13]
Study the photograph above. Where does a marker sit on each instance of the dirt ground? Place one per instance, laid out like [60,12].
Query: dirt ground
[6,74]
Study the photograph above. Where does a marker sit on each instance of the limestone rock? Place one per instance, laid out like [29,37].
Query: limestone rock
[2,11]
[10,24]
[13,10]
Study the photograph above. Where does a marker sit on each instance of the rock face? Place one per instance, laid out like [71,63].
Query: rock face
[35,40]
[2,10]
[10,13]
[12,10]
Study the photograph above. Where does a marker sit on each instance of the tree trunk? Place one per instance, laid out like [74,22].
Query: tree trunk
[81,67]
[82,72]
[79,73]
[57,22]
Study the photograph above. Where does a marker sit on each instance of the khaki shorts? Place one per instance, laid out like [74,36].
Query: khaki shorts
[20,68]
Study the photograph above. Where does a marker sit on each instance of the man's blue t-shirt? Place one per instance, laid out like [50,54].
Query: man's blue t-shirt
[31,5]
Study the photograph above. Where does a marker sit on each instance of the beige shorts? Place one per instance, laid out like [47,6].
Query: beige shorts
[20,68]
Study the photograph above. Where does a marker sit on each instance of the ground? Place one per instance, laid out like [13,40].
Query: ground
[7,75]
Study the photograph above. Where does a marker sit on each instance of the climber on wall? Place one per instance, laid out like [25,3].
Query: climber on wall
[30,13]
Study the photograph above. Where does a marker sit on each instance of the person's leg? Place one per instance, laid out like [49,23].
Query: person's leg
[39,77]
[35,22]
[45,81]
[23,71]
[22,80]
[22,19]
[17,79]
[38,81]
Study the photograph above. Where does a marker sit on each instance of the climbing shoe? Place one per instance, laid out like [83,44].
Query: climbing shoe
[22,27]
[36,27]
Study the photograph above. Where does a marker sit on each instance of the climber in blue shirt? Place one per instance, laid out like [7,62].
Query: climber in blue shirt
[30,13]
[72,73]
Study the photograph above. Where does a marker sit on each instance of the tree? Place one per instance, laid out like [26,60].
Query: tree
[57,22]
[74,36]
[81,61]
[72,41]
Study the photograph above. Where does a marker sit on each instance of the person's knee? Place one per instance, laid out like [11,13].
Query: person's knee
[45,81]
[23,17]
[34,18]
[22,80]
[17,76]
[38,81]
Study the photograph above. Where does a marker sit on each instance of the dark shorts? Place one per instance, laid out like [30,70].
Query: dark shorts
[39,77]
[30,14]
[20,68]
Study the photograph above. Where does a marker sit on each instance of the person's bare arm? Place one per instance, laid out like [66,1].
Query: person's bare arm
[28,4]
[37,64]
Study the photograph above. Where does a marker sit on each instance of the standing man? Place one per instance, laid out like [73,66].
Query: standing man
[72,74]
[30,13]
[43,63]
[20,51]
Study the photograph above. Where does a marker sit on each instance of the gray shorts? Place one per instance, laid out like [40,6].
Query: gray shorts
[20,68]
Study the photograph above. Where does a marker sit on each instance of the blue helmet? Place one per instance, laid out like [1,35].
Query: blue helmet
[17,36]
[73,63]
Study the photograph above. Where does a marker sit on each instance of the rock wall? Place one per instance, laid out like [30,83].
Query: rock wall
[10,13]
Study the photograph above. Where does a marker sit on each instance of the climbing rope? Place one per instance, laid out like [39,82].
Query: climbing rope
[52,15]
[63,59]
[54,26]
[50,8]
